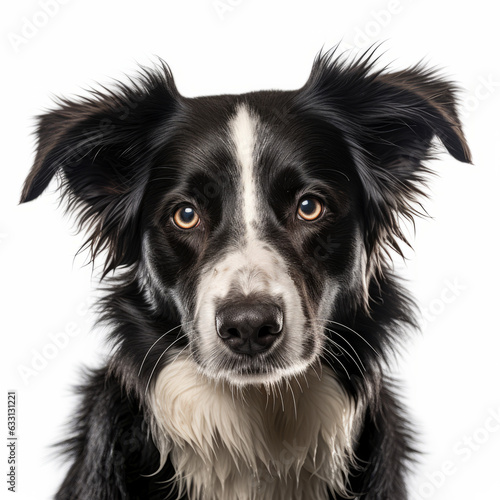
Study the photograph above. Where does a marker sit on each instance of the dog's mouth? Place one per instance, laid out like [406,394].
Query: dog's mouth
[252,344]
[259,369]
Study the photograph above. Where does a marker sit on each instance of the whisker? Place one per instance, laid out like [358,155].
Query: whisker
[281,396]
[324,358]
[298,383]
[317,374]
[348,354]
[159,358]
[338,361]
[351,330]
[348,343]
[293,398]
[158,339]
[180,352]
[232,394]
[344,339]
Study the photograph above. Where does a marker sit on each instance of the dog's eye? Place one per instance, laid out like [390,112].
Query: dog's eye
[310,209]
[186,218]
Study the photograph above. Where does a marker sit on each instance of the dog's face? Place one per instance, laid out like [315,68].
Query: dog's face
[255,227]
[252,219]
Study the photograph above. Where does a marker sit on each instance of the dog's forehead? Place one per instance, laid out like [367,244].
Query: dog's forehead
[214,149]
[247,151]
[232,141]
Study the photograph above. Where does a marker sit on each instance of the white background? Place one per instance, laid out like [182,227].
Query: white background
[450,373]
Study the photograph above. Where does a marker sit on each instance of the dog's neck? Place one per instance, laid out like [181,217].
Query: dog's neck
[289,441]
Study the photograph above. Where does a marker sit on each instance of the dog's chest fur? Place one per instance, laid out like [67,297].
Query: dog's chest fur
[290,441]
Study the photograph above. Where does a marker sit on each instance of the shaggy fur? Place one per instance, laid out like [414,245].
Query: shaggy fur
[188,406]
[300,431]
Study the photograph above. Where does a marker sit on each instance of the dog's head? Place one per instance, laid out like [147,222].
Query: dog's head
[254,217]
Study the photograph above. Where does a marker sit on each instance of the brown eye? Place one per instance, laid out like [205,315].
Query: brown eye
[310,209]
[186,218]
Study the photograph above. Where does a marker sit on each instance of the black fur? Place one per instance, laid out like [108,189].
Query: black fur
[126,157]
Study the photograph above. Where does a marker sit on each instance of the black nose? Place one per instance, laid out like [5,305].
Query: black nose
[249,327]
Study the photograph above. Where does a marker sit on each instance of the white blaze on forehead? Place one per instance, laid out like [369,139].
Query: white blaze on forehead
[243,128]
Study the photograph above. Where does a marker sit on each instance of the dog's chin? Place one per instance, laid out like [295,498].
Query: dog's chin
[254,374]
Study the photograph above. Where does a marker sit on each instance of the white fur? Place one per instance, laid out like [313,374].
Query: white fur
[285,441]
[243,134]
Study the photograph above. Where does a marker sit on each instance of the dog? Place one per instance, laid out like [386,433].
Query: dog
[252,305]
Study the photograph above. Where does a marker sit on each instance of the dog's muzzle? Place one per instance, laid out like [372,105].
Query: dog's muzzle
[249,326]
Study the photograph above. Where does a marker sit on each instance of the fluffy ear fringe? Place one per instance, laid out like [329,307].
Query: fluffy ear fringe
[388,120]
[99,148]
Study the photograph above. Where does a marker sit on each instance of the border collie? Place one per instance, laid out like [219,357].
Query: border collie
[250,295]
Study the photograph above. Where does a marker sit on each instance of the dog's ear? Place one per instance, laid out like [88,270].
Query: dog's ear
[388,121]
[102,148]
